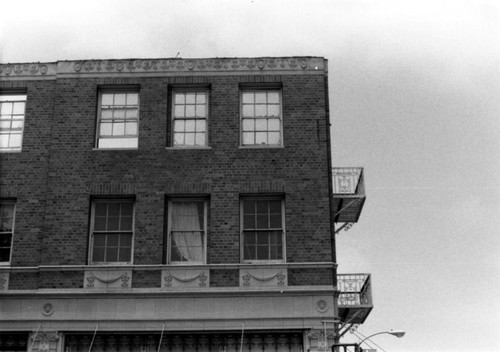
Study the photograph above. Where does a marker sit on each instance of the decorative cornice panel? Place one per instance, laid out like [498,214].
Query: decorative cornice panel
[173,66]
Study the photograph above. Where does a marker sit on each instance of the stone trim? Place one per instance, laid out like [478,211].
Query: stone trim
[166,67]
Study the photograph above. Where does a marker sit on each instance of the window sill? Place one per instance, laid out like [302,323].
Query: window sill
[188,148]
[10,151]
[114,149]
[261,146]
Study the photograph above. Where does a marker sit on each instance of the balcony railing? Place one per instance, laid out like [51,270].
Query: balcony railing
[348,190]
[355,299]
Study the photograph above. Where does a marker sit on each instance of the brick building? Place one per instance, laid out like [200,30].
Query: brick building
[173,205]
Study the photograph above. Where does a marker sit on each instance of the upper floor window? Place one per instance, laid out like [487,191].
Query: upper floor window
[118,119]
[187,228]
[261,118]
[263,229]
[12,108]
[112,230]
[6,230]
[190,114]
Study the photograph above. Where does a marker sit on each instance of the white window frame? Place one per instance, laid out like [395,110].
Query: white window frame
[13,118]
[262,118]
[93,232]
[13,202]
[129,138]
[242,230]
[169,229]
[185,91]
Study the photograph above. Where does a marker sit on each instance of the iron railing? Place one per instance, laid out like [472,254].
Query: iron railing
[347,180]
[354,289]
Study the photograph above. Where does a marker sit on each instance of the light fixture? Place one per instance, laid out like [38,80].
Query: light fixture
[397,333]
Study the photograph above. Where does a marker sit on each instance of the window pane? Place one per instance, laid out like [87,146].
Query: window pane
[248,97]
[126,223]
[275,207]
[200,111]
[190,125]
[190,110]
[179,98]
[120,99]
[260,110]
[179,111]
[5,240]
[189,139]
[249,221]
[132,98]
[126,209]
[179,125]
[131,113]
[201,125]
[100,223]
[261,124]
[275,221]
[118,129]
[6,108]
[111,254]
[261,138]
[125,253]
[98,254]
[273,110]
[260,98]
[274,137]
[262,238]
[126,240]
[4,140]
[18,108]
[248,138]
[262,252]
[179,139]
[248,125]
[248,207]
[5,124]
[131,128]
[248,111]
[112,240]
[273,97]
[17,124]
[201,98]
[106,129]
[119,113]
[107,99]
[274,124]
[106,114]
[4,254]
[99,240]
[262,221]
[15,140]
[200,139]
[190,98]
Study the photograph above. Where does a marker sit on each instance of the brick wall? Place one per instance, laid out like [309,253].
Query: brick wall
[58,172]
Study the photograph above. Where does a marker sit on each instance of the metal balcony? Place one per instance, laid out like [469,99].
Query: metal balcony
[348,193]
[355,299]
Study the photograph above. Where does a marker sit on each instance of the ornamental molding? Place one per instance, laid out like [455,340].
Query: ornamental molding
[4,281]
[107,278]
[185,278]
[263,277]
[28,69]
[166,66]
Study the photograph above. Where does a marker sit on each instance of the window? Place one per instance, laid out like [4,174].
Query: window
[118,119]
[12,108]
[112,231]
[261,122]
[263,229]
[6,230]
[190,113]
[187,224]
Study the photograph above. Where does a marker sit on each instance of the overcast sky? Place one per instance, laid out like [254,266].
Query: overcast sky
[414,94]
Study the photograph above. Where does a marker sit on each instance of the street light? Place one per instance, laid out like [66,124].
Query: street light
[397,333]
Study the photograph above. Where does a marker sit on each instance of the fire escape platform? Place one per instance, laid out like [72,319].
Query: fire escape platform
[355,298]
[348,193]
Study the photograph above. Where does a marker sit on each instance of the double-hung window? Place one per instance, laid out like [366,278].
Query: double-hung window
[112,230]
[6,230]
[187,228]
[118,119]
[261,118]
[263,229]
[12,109]
[190,115]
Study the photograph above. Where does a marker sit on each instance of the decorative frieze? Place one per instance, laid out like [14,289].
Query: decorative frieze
[263,277]
[166,66]
[108,279]
[185,277]
[318,342]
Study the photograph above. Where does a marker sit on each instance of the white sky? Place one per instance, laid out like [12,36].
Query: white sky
[414,94]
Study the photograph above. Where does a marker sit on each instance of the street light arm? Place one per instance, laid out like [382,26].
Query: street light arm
[397,333]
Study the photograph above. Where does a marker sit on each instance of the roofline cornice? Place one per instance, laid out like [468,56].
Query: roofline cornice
[164,67]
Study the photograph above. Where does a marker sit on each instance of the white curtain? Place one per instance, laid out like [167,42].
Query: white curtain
[186,230]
